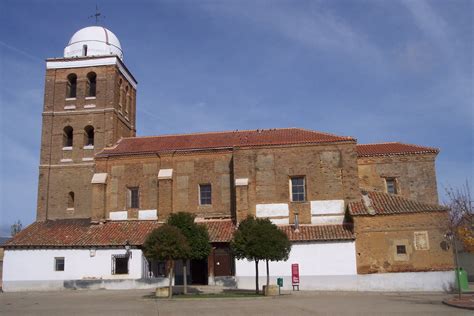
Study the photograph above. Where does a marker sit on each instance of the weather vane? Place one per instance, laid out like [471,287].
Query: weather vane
[97,15]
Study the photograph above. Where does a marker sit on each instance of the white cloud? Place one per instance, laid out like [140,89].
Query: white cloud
[313,27]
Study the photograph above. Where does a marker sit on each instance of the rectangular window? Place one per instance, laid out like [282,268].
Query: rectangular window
[59,264]
[205,194]
[120,264]
[401,250]
[298,189]
[391,185]
[133,198]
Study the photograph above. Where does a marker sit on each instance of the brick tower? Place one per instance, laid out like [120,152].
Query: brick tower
[89,104]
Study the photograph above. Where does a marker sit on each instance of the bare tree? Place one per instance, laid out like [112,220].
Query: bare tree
[460,222]
[16,228]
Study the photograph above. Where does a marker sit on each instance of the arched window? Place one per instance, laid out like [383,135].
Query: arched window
[84,50]
[67,136]
[127,99]
[91,84]
[120,94]
[89,136]
[70,200]
[71,86]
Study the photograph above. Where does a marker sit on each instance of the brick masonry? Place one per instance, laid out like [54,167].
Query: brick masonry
[332,171]
[63,171]
[415,175]
[377,238]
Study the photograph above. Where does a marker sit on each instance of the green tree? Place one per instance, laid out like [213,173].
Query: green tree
[260,239]
[196,236]
[167,243]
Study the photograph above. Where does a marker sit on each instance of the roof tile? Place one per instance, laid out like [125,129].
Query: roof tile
[219,140]
[389,204]
[389,149]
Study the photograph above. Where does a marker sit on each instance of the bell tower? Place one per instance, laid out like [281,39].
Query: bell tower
[89,104]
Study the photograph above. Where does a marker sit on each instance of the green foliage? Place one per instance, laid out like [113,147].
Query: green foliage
[166,243]
[260,239]
[196,235]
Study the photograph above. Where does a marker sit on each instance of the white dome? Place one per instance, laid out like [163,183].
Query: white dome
[93,41]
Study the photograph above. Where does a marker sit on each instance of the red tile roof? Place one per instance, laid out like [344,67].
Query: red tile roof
[318,233]
[220,230]
[389,204]
[219,140]
[389,149]
[81,233]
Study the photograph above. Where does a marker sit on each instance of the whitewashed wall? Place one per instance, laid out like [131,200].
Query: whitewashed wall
[314,259]
[34,268]
[331,266]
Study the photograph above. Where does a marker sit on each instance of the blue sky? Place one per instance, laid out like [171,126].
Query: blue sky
[375,70]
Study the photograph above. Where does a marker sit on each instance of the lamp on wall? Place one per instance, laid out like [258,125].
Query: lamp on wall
[128,248]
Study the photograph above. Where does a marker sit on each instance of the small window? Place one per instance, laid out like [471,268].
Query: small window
[401,250]
[120,264]
[205,194]
[71,86]
[91,84]
[391,185]
[89,136]
[133,198]
[67,136]
[298,193]
[84,50]
[70,200]
[59,264]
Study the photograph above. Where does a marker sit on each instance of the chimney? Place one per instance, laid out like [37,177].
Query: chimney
[297,223]
[368,203]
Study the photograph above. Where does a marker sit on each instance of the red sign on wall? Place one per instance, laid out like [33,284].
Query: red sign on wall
[295,274]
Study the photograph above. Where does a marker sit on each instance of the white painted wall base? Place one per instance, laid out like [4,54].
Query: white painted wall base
[58,285]
[436,281]
[33,269]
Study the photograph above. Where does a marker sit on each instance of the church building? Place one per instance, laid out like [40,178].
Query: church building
[360,216]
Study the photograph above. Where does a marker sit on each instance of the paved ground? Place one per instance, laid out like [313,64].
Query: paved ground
[132,302]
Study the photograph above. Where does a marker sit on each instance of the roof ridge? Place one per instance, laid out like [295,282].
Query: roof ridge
[237,131]
[400,143]
[210,132]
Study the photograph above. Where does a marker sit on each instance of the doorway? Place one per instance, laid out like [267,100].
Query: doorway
[199,273]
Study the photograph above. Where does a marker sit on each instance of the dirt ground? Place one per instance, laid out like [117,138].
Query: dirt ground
[134,302]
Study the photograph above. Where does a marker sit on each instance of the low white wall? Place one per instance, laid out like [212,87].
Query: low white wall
[436,281]
[331,266]
[314,258]
[25,269]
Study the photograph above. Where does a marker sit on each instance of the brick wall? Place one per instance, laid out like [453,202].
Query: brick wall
[377,238]
[63,171]
[330,171]
[415,175]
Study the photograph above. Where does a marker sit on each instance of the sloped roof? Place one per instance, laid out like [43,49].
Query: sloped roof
[77,233]
[318,232]
[395,148]
[219,140]
[81,233]
[389,204]
[3,240]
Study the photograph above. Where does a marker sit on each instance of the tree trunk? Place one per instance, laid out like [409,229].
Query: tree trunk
[170,275]
[256,277]
[185,277]
[268,277]
[456,263]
